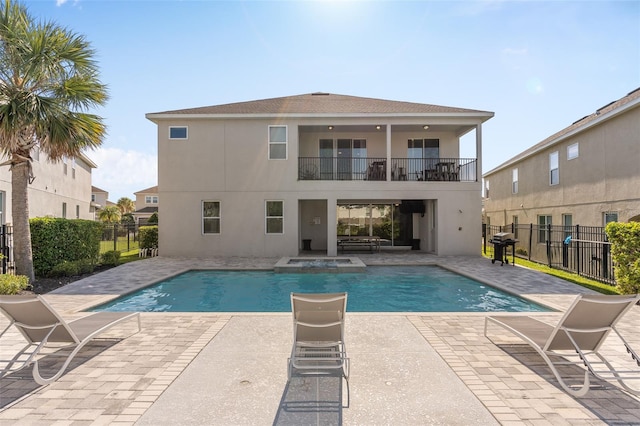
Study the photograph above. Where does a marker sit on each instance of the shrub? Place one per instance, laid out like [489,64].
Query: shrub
[153,219]
[65,269]
[111,258]
[521,252]
[625,251]
[55,240]
[13,284]
[148,237]
[85,266]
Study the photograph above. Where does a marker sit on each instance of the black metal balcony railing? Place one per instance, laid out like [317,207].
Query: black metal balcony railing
[375,169]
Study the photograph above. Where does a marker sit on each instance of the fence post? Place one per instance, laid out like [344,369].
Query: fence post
[5,249]
[115,236]
[484,238]
[578,250]
[530,239]
[548,238]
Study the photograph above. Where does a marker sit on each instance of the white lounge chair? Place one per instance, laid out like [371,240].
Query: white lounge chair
[318,334]
[41,325]
[580,333]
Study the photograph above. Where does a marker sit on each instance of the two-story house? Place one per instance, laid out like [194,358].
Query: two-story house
[60,189]
[146,204]
[261,178]
[586,174]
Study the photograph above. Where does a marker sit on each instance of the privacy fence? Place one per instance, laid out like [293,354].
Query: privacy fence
[583,250]
[121,237]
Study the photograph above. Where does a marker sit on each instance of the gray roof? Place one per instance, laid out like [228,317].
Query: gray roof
[609,109]
[321,103]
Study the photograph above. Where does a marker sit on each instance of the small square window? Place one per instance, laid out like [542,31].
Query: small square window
[573,151]
[178,132]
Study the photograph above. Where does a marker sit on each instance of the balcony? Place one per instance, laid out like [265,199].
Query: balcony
[375,169]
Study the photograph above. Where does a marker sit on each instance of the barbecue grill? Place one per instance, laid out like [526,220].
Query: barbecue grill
[500,242]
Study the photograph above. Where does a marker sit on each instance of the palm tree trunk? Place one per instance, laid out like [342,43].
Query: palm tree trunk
[20,211]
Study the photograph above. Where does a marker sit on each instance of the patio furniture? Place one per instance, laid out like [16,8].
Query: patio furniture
[318,334]
[41,325]
[372,242]
[579,333]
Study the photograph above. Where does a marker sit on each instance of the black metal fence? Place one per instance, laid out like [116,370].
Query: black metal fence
[121,237]
[583,250]
[6,249]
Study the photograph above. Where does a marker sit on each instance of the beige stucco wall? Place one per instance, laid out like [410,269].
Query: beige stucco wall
[226,161]
[604,178]
[51,188]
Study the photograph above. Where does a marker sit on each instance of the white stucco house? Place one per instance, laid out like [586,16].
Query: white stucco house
[61,189]
[275,176]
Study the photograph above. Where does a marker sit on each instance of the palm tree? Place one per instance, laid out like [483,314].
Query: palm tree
[125,205]
[109,214]
[48,82]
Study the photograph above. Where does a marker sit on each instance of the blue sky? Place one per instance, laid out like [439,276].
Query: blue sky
[539,65]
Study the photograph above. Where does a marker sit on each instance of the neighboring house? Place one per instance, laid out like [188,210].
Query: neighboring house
[98,200]
[60,189]
[146,204]
[587,174]
[271,177]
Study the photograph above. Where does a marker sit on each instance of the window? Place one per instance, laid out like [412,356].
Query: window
[178,132]
[151,199]
[609,217]
[423,154]
[2,197]
[543,222]
[64,210]
[554,174]
[93,198]
[274,217]
[514,181]
[567,225]
[277,142]
[573,151]
[486,189]
[64,165]
[210,217]
[73,168]
[35,153]
[77,211]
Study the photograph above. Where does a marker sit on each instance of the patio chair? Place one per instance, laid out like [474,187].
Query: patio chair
[580,333]
[318,334]
[41,326]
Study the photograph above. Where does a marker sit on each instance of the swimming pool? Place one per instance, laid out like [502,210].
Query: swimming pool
[377,289]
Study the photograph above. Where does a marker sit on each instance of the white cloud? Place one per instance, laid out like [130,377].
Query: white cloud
[60,2]
[121,173]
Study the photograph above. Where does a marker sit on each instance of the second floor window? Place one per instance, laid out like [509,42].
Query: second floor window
[178,132]
[554,172]
[151,199]
[514,181]
[573,151]
[486,189]
[277,142]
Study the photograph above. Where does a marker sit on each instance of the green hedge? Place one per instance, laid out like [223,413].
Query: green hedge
[148,237]
[625,251]
[56,240]
[13,284]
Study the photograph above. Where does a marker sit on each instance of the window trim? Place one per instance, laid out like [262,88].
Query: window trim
[150,197]
[285,143]
[266,217]
[219,217]
[186,130]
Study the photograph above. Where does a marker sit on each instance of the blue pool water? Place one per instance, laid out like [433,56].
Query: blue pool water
[378,289]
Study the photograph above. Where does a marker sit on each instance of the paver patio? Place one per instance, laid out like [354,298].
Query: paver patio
[417,368]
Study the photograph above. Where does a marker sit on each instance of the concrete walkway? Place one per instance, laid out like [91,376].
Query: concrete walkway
[230,369]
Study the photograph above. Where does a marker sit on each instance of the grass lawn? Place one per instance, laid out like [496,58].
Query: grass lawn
[568,276]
